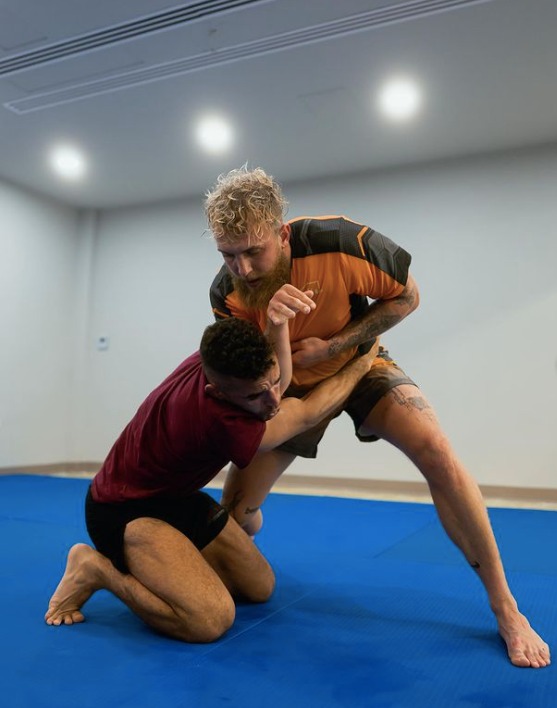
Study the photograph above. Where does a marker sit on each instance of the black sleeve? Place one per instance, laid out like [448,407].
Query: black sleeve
[220,288]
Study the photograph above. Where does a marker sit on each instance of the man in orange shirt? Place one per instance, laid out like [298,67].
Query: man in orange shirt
[343,263]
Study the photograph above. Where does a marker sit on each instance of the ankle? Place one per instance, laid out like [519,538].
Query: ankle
[505,608]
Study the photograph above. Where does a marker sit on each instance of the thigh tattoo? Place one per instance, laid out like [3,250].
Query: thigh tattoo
[417,403]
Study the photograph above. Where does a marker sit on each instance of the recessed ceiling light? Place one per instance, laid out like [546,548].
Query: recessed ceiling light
[400,99]
[68,162]
[214,134]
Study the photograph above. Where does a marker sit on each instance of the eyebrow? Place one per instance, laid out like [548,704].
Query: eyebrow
[253,396]
[255,247]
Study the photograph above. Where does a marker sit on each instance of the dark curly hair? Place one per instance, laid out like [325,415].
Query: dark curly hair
[236,347]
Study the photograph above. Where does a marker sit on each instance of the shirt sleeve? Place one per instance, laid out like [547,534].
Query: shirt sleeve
[241,434]
[372,264]
[221,287]
[364,261]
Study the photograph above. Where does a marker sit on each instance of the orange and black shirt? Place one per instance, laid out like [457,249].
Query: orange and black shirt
[344,263]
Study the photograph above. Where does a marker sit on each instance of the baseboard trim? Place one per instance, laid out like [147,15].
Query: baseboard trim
[85,468]
[545,498]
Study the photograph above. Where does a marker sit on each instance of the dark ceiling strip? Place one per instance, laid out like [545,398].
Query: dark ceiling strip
[119,33]
[226,55]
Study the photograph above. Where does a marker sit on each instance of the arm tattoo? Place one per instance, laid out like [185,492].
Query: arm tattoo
[381,316]
[407,297]
[363,330]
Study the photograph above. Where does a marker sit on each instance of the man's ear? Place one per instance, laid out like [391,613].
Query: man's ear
[285,231]
[214,392]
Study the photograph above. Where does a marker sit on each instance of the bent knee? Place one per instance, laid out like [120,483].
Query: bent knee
[206,624]
[250,522]
[210,628]
[436,459]
[263,588]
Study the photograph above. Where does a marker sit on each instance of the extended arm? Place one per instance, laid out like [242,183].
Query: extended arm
[297,415]
[245,490]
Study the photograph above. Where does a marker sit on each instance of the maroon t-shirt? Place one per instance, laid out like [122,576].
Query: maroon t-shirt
[179,439]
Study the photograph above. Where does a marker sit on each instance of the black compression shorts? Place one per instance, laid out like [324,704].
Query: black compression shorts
[198,516]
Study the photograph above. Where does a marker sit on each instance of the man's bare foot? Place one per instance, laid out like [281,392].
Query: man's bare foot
[525,646]
[79,582]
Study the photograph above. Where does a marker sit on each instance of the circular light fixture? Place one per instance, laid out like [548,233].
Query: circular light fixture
[214,134]
[400,99]
[68,162]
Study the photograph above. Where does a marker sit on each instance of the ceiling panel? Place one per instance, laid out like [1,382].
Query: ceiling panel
[297,80]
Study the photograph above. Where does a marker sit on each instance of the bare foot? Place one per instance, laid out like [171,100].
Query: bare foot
[79,582]
[525,646]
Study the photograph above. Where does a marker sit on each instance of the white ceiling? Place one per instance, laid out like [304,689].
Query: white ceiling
[296,78]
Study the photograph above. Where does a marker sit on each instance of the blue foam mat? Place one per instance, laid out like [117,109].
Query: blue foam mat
[372,609]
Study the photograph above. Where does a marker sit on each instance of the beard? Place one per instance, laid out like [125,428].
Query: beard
[258,297]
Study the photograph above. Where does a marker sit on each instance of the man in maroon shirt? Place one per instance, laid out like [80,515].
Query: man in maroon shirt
[165,548]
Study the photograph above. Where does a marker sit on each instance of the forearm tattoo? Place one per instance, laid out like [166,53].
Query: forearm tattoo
[363,331]
[407,297]
[374,322]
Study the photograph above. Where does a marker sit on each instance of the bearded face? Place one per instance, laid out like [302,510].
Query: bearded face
[256,290]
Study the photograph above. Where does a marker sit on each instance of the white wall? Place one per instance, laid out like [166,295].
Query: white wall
[38,250]
[150,269]
[483,345]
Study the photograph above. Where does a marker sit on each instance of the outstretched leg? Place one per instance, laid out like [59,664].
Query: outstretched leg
[404,418]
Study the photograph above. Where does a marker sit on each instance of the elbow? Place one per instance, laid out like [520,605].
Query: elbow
[416,302]
[412,294]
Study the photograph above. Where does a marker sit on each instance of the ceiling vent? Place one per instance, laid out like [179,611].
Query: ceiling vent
[347,25]
[120,33]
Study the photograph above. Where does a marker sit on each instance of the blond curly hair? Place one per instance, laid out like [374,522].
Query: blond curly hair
[244,202]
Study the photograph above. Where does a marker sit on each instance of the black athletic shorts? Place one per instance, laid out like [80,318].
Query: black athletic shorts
[198,516]
[382,377]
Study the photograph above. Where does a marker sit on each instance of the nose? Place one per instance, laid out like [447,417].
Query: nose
[242,266]
[273,397]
